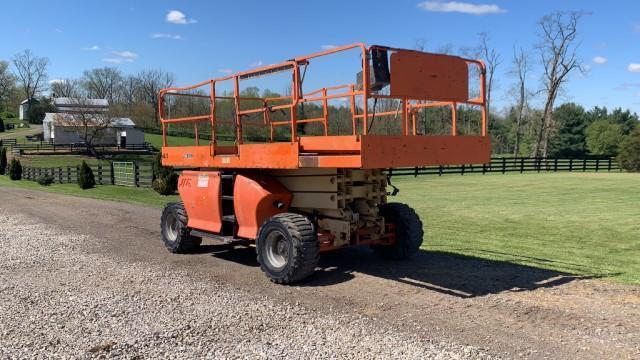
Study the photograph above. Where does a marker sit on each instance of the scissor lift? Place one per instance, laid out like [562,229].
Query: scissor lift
[295,194]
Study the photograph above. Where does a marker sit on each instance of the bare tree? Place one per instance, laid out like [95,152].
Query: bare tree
[31,72]
[7,82]
[492,61]
[89,124]
[102,83]
[151,82]
[66,88]
[558,51]
[521,68]
[130,90]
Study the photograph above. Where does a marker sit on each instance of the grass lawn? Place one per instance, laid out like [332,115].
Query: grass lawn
[587,224]
[579,223]
[156,140]
[114,193]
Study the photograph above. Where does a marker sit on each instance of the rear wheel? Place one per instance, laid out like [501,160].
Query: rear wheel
[408,232]
[175,233]
[288,249]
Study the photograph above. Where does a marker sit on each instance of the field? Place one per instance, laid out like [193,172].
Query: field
[585,224]
[73,160]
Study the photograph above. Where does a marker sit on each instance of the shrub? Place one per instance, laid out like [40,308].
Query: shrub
[629,155]
[3,159]
[86,180]
[15,170]
[165,180]
[45,180]
[603,138]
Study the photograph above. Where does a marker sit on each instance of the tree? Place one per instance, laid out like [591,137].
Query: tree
[151,82]
[603,138]
[569,141]
[492,61]
[15,169]
[86,180]
[102,83]
[3,160]
[31,72]
[558,52]
[66,88]
[629,156]
[520,70]
[38,109]
[7,83]
[90,125]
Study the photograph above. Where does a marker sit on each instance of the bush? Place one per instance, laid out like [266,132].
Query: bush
[86,180]
[3,159]
[15,170]
[45,180]
[165,180]
[8,115]
[629,155]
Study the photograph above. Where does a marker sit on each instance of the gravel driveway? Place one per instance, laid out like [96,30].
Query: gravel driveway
[59,300]
[90,278]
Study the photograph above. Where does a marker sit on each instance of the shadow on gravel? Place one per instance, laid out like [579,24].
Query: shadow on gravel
[447,273]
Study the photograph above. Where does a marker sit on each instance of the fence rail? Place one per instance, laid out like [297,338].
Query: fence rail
[48,147]
[141,174]
[517,164]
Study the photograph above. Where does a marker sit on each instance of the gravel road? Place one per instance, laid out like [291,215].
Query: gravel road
[88,278]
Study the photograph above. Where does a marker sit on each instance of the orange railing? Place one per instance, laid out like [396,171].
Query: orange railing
[407,111]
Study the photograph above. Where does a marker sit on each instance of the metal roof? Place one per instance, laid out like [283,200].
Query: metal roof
[66,101]
[60,118]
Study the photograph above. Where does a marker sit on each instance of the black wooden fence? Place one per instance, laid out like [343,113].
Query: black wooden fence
[518,165]
[141,176]
[45,147]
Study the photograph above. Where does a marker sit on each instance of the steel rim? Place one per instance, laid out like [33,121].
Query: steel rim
[277,250]
[171,228]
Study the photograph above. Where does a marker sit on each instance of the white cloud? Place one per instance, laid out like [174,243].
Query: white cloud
[126,55]
[636,28]
[225,71]
[256,63]
[112,60]
[92,48]
[461,7]
[59,30]
[635,68]
[166,36]
[178,17]
[600,60]
[56,81]
[328,47]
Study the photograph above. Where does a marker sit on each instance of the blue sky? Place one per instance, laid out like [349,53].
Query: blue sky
[198,40]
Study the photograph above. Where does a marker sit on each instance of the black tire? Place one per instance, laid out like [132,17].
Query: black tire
[175,233]
[288,248]
[409,232]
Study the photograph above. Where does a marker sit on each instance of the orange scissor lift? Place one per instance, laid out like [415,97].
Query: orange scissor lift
[298,196]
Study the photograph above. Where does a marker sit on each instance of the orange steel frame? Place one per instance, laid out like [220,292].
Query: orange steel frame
[353,150]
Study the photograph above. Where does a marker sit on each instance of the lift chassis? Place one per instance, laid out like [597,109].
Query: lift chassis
[295,198]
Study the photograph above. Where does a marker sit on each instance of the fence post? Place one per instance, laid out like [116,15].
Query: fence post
[609,165]
[136,179]
[440,170]
[521,165]
[113,179]
[597,164]
[584,164]
[462,170]
[68,174]
[570,164]
[504,165]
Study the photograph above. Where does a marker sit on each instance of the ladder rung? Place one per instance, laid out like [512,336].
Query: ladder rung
[227,197]
[229,218]
[227,176]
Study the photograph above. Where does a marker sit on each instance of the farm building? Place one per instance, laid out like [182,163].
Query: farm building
[24,108]
[63,126]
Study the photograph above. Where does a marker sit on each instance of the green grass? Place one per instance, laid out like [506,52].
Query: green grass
[586,224]
[156,140]
[579,223]
[113,193]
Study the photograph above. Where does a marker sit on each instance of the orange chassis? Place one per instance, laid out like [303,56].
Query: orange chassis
[337,181]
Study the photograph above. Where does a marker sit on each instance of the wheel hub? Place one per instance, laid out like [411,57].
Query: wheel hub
[277,250]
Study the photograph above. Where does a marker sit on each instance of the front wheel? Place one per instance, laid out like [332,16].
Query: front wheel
[288,248]
[175,233]
[408,232]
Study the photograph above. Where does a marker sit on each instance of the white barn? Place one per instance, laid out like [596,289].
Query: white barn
[24,108]
[57,129]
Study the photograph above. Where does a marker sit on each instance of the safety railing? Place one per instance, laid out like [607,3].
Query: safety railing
[358,96]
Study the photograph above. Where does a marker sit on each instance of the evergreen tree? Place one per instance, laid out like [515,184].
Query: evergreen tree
[86,180]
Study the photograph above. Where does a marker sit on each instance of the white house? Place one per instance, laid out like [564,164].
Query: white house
[60,127]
